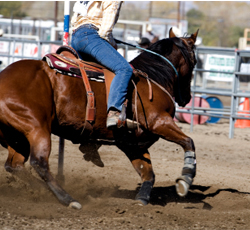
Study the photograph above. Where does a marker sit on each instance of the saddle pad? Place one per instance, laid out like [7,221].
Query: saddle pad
[67,67]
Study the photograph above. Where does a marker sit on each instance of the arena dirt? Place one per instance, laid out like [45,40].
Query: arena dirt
[218,199]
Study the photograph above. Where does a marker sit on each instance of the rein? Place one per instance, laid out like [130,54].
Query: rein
[149,51]
[154,82]
[142,74]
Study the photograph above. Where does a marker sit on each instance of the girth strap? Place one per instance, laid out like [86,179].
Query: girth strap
[139,72]
[90,109]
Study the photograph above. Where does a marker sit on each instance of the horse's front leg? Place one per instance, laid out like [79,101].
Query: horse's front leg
[141,161]
[167,129]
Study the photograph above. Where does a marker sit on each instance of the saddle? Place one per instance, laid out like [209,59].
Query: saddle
[67,62]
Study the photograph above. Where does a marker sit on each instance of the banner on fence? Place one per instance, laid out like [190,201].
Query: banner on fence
[219,63]
[21,50]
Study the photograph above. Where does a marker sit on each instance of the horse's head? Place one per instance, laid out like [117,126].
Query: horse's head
[184,59]
[180,52]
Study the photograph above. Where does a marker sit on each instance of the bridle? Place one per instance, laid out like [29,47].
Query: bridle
[164,58]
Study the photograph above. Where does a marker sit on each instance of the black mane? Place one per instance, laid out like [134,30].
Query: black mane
[156,67]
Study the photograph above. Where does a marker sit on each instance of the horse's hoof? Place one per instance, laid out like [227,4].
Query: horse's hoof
[144,194]
[142,201]
[75,205]
[182,188]
[132,125]
[183,184]
[10,169]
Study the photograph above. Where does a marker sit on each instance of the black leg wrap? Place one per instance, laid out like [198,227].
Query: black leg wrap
[144,194]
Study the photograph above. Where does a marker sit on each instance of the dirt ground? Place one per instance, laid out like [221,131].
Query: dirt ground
[218,199]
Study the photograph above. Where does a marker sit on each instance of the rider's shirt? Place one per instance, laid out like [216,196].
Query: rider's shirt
[102,14]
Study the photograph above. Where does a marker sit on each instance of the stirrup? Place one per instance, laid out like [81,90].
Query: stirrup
[122,116]
[123,121]
[131,125]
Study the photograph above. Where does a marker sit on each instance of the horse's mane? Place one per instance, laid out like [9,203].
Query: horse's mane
[156,67]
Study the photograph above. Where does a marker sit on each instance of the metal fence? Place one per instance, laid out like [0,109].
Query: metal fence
[236,88]
[14,49]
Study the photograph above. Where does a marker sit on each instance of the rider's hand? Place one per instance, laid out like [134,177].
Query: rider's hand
[115,46]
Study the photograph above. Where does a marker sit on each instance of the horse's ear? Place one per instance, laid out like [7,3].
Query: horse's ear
[193,37]
[171,33]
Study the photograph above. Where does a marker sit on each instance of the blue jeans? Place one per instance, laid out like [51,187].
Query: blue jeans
[86,40]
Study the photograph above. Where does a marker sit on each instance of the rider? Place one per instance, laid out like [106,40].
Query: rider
[144,43]
[92,24]
[150,35]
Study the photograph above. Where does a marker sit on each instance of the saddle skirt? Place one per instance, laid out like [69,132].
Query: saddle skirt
[67,62]
[69,67]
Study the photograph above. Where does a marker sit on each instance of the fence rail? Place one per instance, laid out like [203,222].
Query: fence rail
[14,49]
[234,92]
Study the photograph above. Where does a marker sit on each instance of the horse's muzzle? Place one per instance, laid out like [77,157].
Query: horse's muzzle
[183,101]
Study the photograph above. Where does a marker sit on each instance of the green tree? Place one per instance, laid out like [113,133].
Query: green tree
[224,22]
[164,9]
[195,19]
[11,9]
[131,11]
[234,34]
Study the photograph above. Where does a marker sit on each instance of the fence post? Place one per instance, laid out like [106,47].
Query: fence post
[60,175]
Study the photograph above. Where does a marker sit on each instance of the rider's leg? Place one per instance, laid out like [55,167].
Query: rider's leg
[87,40]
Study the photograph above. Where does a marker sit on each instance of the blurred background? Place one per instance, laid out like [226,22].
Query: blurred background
[220,23]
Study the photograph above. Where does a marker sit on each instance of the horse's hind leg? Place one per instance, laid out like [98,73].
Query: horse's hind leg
[15,165]
[15,161]
[167,129]
[40,146]
[141,161]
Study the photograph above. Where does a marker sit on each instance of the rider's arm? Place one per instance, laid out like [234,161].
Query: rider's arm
[111,11]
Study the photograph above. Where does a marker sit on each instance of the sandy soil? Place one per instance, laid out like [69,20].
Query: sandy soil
[218,199]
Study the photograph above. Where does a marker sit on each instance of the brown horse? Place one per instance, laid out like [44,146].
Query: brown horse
[36,101]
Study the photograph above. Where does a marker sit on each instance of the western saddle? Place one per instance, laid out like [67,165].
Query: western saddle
[67,61]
